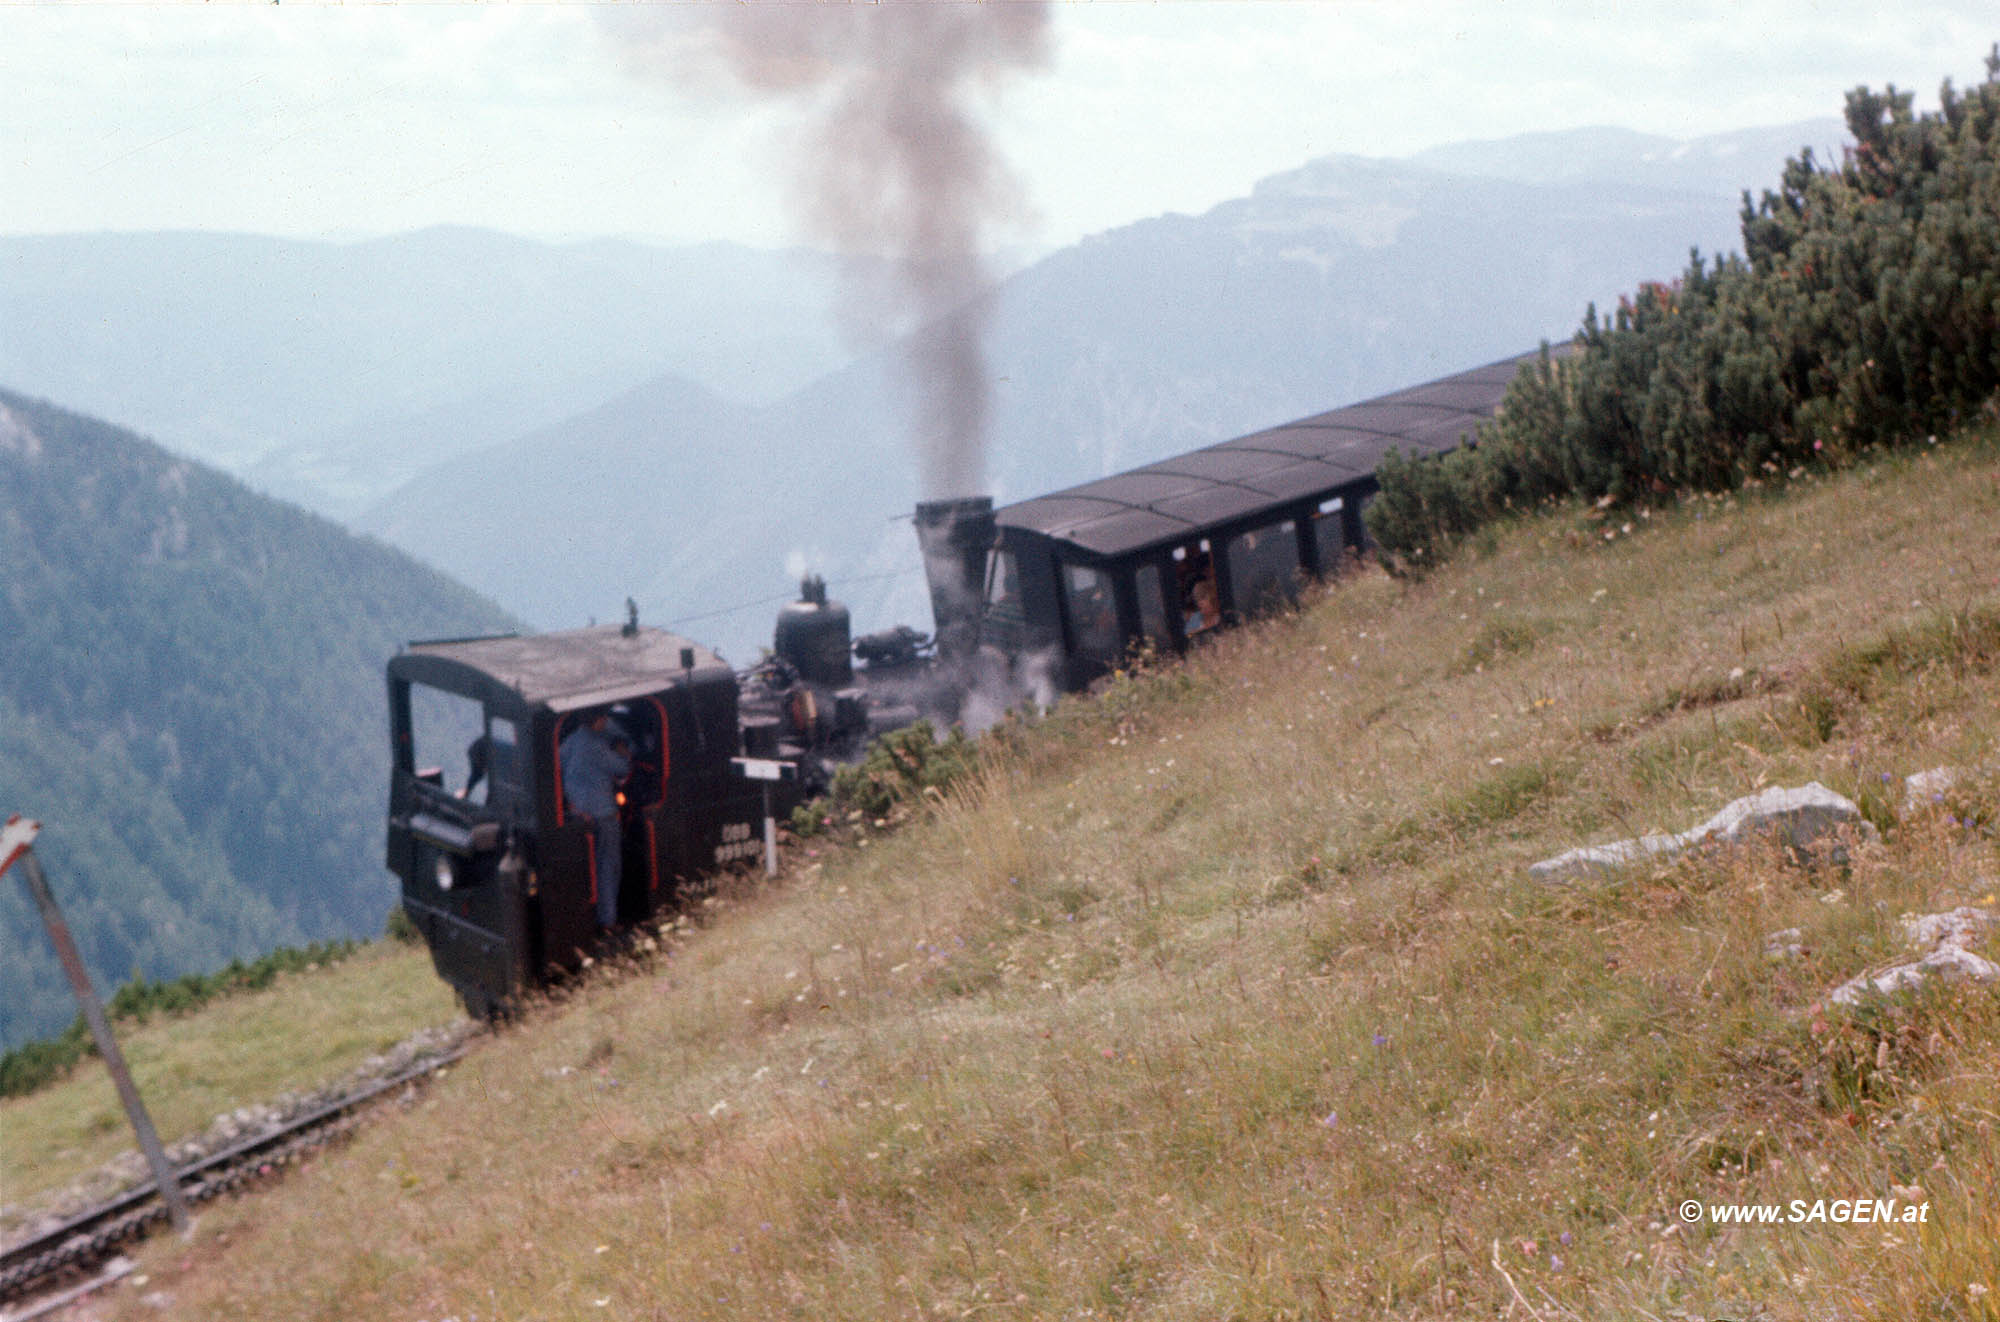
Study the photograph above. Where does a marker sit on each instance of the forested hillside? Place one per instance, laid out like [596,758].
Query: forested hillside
[191,702]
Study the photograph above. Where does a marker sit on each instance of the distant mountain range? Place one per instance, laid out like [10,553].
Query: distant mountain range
[329,372]
[192,702]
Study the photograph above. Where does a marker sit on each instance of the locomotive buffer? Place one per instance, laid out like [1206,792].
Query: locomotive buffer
[768,771]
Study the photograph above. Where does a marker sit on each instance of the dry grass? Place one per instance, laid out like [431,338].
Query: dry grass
[302,1031]
[1226,995]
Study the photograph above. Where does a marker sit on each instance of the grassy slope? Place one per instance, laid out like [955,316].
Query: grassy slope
[302,1031]
[1228,997]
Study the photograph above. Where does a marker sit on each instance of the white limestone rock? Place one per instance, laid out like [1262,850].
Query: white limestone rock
[1946,940]
[1801,817]
[1926,788]
[1948,962]
[1603,860]
[1963,927]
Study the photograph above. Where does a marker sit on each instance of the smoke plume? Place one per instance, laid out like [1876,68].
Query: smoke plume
[896,166]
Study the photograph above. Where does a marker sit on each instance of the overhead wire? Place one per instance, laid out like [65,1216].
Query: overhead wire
[786,596]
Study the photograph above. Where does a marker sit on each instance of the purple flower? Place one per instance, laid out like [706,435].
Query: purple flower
[1332,1120]
[1381,1040]
[1566,1238]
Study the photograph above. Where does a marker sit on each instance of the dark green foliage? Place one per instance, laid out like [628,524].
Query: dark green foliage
[191,701]
[33,1064]
[899,770]
[1864,313]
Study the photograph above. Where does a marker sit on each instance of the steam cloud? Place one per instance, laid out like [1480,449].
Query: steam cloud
[895,164]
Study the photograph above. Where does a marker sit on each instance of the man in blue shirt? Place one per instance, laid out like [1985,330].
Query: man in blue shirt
[594,759]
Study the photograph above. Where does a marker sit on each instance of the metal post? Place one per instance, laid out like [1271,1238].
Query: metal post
[770,835]
[15,843]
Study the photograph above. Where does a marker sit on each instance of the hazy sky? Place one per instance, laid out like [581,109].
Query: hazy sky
[371,118]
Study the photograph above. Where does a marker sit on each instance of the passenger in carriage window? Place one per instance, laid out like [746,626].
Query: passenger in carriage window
[1201,608]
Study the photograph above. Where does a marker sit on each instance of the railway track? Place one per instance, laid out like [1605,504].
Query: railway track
[60,1255]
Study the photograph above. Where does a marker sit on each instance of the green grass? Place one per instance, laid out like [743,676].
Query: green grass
[305,1029]
[1227,996]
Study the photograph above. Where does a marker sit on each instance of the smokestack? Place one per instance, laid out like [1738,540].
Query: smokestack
[955,536]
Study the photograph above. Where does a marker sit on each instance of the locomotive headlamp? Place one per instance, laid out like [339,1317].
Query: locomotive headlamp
[444,874]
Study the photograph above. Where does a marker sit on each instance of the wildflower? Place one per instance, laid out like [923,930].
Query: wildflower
[1381,1040]
[1566,1239]
[1332,1120]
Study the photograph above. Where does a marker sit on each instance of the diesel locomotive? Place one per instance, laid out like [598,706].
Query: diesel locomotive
[1033,599]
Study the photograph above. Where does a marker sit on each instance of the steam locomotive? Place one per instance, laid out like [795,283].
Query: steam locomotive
[1042,597]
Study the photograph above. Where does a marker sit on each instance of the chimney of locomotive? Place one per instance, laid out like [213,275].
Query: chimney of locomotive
[955,536]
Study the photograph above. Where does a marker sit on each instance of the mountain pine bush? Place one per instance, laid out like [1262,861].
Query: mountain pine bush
[1863,313]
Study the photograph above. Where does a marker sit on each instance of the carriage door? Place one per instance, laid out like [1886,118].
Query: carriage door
[1091,604]
[1150,586]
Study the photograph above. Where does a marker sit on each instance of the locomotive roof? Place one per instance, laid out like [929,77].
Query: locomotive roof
[564,670]
[1233,479]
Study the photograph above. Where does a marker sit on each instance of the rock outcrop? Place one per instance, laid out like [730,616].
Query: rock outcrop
[1945,939]
[1802,818]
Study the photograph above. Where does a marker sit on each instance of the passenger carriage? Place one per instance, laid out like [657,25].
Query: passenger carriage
[1163,554]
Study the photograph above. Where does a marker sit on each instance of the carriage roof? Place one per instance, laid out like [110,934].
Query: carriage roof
[1235,480]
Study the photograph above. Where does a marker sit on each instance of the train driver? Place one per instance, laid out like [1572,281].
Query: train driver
[595,757]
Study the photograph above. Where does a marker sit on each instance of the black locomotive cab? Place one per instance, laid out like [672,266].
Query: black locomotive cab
[498,870]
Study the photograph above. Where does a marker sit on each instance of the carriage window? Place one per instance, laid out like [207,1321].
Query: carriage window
[1003,585]
[1263,567]
[444,730]
[503,751]
[1194,574]
[1093,611]
[1153,606]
